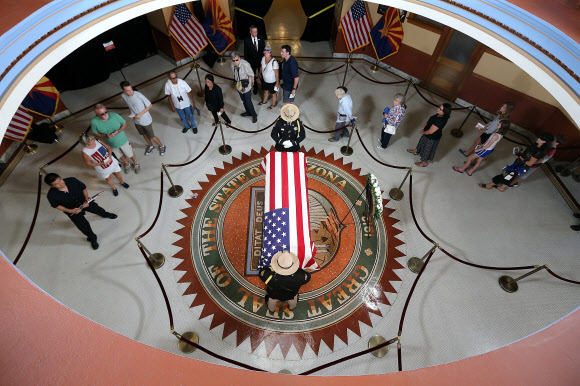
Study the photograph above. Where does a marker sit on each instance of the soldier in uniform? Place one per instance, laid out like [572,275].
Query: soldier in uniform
[288,131]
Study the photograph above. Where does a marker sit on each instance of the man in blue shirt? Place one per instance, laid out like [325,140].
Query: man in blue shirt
[289,74]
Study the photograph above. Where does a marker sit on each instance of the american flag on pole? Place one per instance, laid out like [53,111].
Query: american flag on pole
[286,218]
[187,30]
[356,26]
[19,125]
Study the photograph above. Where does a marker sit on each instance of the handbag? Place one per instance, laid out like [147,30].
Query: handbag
[242,84]
[390,129]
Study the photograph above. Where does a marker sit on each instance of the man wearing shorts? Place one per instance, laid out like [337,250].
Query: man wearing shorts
[139,107]
[289,75]
[111,128]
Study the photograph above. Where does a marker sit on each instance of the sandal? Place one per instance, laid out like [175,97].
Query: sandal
[272,106]
[261,103]
[469,174]
[411,151]
[421,164]
[457,169]
[483,186]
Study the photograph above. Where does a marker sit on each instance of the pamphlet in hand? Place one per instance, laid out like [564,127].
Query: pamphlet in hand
[479,126]
[131,115]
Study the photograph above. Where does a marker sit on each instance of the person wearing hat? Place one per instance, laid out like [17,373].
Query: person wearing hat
[522,164]
[270,74]
[288,131]
[283,280]
[253,49]
[344,114]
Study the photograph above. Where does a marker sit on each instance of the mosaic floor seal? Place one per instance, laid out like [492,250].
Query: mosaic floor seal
[220,248]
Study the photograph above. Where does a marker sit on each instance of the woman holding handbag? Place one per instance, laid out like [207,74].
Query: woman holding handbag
[392,118]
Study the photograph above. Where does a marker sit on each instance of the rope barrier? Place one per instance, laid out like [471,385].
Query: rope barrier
[373,157]
[252,131]
[376,81]
[402,320]
[433,104]
[326,131]
[158,209]
[560,277]
[167,304]
[33,223]
[216,74]
[349,357]
[66,151]
[200,154]
[320,73]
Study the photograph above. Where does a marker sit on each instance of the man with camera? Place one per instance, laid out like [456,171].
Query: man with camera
[244,81]
[180,99]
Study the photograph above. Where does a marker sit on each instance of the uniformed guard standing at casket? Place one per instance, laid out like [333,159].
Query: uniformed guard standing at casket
[288,131]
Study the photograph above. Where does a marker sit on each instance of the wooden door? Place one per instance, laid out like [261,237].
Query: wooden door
[456,56]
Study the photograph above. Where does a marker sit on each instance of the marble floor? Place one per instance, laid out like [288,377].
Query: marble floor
[456,312]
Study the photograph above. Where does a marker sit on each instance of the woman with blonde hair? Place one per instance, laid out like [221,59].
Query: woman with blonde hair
[98,155]
[503,114]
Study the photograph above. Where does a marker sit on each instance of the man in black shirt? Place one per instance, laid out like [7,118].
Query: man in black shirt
[289,130]
[283,280]
[70,196]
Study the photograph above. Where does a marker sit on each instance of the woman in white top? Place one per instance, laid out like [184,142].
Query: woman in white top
[482,151]
[269,71]
[97,154]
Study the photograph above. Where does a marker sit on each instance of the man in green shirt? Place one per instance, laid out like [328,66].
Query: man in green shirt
[110,127]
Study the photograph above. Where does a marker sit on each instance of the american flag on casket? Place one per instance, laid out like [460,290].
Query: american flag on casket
[286,214]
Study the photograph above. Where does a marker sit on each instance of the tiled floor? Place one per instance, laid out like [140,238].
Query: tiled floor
[456,311]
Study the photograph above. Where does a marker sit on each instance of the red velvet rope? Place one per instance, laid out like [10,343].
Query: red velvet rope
[33,220]
[560,277]
[218,75]
[326,131]
[373,157]
[66,151]
[349,357]
[158,208]
[376,81]
[252,131]
[167,304]
[436,105]
[200,154]
[320,73]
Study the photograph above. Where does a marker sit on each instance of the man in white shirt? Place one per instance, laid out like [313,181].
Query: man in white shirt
[344,114]
[180,99]
[139,106]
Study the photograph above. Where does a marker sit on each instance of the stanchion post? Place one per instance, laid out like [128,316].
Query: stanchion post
[396,193]
[407,89]
[43,170]
[509,284]
[31,148]
[57,128]
[223,149]
[375,67]
[347,150]
[156,259]
[175,190]
[457,133]
[221,60]
[348,62]
[195,66]
[415,264]
[184,346]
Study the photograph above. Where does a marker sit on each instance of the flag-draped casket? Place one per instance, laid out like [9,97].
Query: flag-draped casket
[286,212]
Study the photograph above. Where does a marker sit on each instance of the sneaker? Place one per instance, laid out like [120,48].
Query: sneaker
[254,119]
[331,139]
[126,168]
[379,140]
[115,192]
[514,185]
[148,150]
[125,185]
[162,150]
[137,168]
[194,130]
[380,147]
[112,216]
[95,245]
[185,130]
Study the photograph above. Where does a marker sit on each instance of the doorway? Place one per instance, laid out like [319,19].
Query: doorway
[285,20]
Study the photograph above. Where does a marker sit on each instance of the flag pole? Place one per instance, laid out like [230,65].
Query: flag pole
[375,67]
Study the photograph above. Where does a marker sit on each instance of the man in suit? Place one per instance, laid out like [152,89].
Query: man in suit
[253,51]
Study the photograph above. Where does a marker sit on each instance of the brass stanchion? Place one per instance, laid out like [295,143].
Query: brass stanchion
[457,133]
[347,150]
[175,190]
[375,341]
[201,91]
[221,60]
[407,89]
[30,148]
[396,193]
[224,149]
[156,259]
[509,284]
[375,67]
[415,264]
[284,371]
[42,169]
[185,347]
[57,128]
[348,62]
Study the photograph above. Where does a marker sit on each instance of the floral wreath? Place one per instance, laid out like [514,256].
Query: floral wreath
[375,190]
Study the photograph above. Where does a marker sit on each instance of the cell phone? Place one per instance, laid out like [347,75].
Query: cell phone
[479,125]
[131,115]
[292,96]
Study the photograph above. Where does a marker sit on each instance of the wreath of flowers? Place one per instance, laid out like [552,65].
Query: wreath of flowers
[375,189]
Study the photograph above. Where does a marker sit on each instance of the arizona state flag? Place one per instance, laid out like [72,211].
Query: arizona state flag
[218,27]
[42,99]
[387,34]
